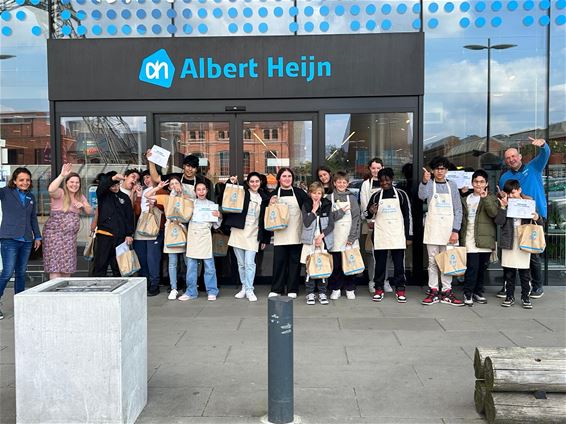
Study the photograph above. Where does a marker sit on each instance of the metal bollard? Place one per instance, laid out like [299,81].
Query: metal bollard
[280,403]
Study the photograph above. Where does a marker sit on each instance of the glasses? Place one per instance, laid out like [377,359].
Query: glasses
[480,182]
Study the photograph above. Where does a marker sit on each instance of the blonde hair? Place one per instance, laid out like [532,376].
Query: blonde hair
[66,194]
[315,187]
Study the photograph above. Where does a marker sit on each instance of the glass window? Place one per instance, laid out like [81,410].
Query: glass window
[224,163]
[247,164]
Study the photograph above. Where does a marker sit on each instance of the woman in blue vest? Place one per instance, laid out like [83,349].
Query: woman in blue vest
[19,231]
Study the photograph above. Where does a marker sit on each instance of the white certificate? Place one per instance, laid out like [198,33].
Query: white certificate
[122,248]
[203,212]
[467,180]
[460,178]
[159,156]
[520,208]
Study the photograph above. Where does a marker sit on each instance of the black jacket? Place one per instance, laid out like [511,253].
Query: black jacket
[405,204]
[238,220]
[299,194]
[115,211]
[508,229]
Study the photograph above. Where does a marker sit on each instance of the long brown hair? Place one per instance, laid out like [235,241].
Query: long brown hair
[18,171]
[67,194]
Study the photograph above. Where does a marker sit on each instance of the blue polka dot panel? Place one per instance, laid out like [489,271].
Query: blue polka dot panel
[166,18]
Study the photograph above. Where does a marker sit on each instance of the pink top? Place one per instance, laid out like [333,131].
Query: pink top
[57,203]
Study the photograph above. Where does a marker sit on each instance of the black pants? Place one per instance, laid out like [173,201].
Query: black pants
[524,275]
[476,264]
[398,258]
[536,272]
[337,279]
[104,255]
[286,268]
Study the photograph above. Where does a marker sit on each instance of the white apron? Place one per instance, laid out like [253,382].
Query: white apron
[199,240]
[389,227]
[291,234]
[515,257]
[342,227]
[246,238]
[189,189]
[439,218]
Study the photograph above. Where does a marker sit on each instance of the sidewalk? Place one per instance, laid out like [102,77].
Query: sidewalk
[355,361]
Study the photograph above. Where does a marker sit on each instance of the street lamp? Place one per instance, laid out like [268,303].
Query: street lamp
[489,47]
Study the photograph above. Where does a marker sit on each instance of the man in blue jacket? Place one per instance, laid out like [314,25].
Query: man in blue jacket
[530,179]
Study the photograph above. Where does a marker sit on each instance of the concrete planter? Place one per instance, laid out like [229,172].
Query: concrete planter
[81,351]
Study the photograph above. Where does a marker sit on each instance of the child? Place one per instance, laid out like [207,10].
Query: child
[393,231]
[346,217]
[513,259]
[317,233]
[162,198]
[199,246]
[441,228]
[477,234]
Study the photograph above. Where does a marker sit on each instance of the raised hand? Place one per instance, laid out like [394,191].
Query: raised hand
[118,177]
[163,184]
[539,142]
[426,175]
[315,205]
[66,169]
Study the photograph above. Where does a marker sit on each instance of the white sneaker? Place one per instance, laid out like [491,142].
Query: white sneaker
[310,299]
[292,295]
[335,294]
[350,294]
[212,297]
[371,287]
[251,297]
[241,294]
[173,294]
[272,294]
[323,299]
[387,287]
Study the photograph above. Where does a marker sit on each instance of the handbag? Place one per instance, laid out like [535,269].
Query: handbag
[219,244]
[531,238]
[352,261]
[276,217]
[233,198]
[179,209]
[128,263]
[319,264]
[175,234]
[148,223]
[88,252]
[452,261]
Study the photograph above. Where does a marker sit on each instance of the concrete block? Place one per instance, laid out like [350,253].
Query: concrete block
[81,356]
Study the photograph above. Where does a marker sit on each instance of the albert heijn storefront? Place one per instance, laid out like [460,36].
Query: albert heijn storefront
[244,104]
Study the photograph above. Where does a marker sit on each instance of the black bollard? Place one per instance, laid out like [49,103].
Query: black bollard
[280,403]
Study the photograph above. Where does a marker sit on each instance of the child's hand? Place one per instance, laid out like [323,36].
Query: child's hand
[346,207]
[318,240]
[373,208]
[315,205]
[273,200]
[483,193]
[535,216]
[503,200]
[216,214]
[426,175]
[163,184]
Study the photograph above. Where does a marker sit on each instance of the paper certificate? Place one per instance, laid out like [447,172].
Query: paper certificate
[159,156]
[203,212]
[520,208]
[122,248]
[461,178]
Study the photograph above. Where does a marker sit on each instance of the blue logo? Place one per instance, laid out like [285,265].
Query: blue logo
[157,69]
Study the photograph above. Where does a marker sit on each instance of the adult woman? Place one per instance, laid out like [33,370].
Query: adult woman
[324,176]
[247,234]
[61,229]
[19,230]
[368,188]
[287,251]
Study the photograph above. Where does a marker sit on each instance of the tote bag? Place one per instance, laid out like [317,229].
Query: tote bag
[233,198]
[276,217]
[531,238]
[179,209]
[319,265]
[452,261]
[128,263]
[352,262]
[175,234]
[148,223]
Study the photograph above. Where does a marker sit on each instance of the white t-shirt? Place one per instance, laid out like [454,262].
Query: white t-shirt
[473,201]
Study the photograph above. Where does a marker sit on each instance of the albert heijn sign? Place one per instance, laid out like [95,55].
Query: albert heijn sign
[236,67]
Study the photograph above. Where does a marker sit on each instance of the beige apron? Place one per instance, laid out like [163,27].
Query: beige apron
[473,205]
[291,234]
[342,227]
[199,240]
[309,249]
[189,189]
[246,238]
[439,218]
[389,227]
[515,257]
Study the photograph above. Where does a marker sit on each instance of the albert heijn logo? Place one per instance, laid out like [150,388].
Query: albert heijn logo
[157,69]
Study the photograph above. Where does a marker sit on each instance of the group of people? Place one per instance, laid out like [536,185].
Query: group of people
[327,217]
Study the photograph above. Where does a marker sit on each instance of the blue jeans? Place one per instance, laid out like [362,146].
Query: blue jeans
[173,269]
[246,267]
[209,277]
[15,255]
[149,255]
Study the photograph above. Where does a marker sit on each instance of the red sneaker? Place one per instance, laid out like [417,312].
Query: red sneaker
[450,298]
[378,296]
[431,297]
[400,294]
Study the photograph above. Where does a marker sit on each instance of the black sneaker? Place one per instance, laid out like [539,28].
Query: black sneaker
[509,301]
[502,294]
[526,302]
[479,298]
[537,293]
[153,292]
[1,315]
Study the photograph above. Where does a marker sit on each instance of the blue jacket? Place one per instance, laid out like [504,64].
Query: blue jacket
[18,220]
[530,178]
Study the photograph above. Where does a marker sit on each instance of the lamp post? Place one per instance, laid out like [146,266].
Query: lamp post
[489,47]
